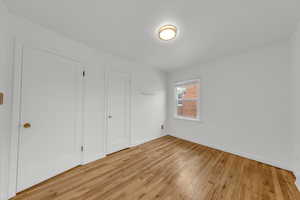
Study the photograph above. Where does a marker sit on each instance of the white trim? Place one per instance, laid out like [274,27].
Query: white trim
[181,83]
[106,101]
[12,190]
[83,95]
[196,80]
[298,184]
[16,108]
[130,110]
[94,158]
[139,142]
[187,118]
[243,154]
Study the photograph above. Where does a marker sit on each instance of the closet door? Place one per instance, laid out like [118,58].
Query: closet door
[118,119]
[50,136]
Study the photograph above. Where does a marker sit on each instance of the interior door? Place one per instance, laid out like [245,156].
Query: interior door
[118,119]
[50,137]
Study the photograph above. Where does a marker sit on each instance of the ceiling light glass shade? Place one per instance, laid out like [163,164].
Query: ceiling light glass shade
[167,32]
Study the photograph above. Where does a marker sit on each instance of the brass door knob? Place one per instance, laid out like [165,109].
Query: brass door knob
[27,125]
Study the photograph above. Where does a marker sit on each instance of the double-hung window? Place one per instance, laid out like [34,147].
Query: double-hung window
[187,100]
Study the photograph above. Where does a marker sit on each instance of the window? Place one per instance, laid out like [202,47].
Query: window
[187,96]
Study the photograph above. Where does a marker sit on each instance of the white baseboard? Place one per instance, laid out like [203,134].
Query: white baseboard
[2,189]
[93,158]
[245,155]
[135,143]
[3,198]
[3,195]
[297,175]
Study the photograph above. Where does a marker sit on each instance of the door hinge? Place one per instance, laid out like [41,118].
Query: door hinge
[81,148]
[83,73]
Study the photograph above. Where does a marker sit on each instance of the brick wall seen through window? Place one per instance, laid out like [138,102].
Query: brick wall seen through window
[187,100]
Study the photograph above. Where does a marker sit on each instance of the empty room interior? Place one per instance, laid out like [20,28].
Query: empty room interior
[142,100]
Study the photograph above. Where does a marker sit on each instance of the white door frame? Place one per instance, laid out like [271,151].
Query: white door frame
[16,108]
[107,73]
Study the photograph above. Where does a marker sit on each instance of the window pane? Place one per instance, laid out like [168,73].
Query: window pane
[187,97]
[187,109]
[188,91]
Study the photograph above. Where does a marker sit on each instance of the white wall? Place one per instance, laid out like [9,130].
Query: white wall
[148,103]
[245,104]
[96,63]
[295,103]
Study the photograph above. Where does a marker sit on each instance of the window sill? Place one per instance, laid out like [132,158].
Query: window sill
[187,119]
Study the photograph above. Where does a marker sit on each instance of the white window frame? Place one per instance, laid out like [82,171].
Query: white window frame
[182,83]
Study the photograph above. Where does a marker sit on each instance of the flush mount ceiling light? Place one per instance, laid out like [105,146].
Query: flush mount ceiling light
[167,32]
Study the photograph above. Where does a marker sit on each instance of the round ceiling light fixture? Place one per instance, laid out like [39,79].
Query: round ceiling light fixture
[167,32]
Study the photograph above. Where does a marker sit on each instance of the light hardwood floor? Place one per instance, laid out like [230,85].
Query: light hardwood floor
[169,168]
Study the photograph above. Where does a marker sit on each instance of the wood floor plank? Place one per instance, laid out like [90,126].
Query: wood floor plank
[168,168]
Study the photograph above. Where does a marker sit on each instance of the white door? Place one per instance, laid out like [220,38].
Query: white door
[118,119]
[50,136]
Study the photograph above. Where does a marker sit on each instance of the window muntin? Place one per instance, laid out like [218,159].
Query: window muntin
[187,96]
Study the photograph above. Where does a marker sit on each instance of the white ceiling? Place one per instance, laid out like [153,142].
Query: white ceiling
[128,28]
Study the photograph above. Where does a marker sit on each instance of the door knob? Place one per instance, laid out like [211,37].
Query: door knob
[27,125]
[109,116]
